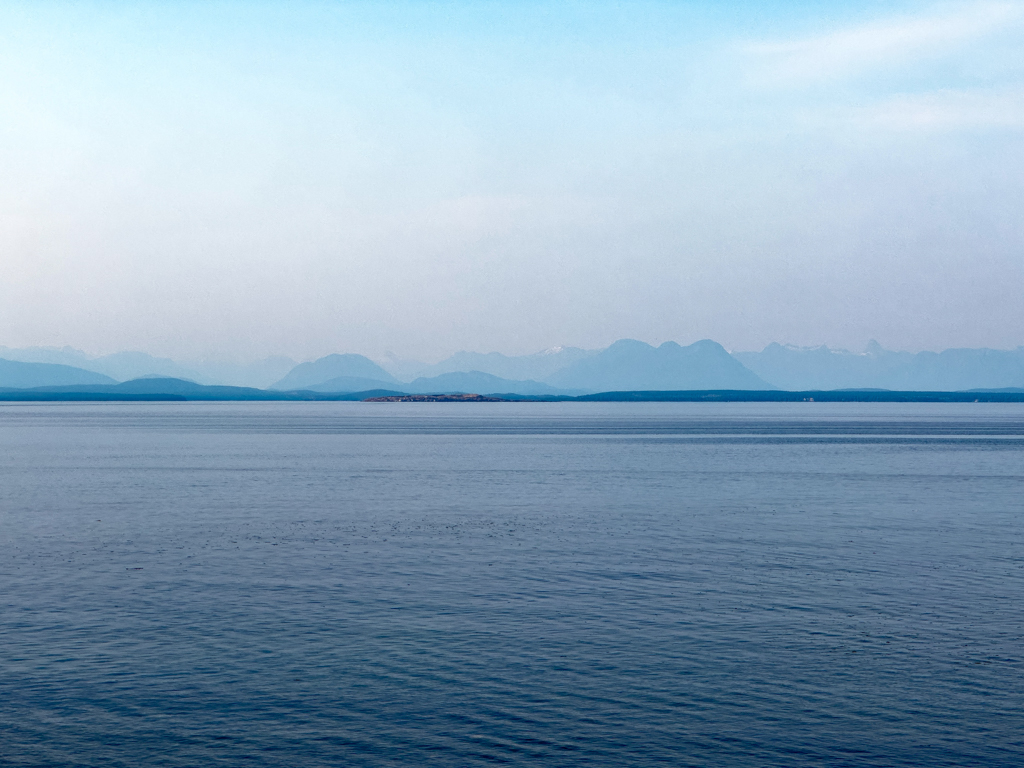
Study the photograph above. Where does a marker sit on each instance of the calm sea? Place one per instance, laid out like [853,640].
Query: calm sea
[578,584]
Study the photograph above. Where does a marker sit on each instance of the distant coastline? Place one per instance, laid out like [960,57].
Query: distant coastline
[179,390]
[453,398]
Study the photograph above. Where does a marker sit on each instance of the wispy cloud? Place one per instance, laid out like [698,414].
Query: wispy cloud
[949,110]
[878,45]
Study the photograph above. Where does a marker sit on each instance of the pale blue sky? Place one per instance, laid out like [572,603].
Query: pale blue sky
[242,179]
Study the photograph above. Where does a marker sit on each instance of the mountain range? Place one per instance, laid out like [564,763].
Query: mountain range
[634,365]
[626,365]
[797,368]
[123,366]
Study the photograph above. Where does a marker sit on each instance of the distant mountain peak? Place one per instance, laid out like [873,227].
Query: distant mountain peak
[331,367]
[629,364]
[15,374]
[624,345]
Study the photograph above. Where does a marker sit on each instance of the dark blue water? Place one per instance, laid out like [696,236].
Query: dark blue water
[321,584]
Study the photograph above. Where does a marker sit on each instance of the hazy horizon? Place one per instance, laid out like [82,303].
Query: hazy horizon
[238,181]
[391,358]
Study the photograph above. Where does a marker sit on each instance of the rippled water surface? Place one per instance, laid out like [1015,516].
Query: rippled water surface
[579,584]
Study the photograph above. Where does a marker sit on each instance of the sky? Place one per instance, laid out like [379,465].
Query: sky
[235,180]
